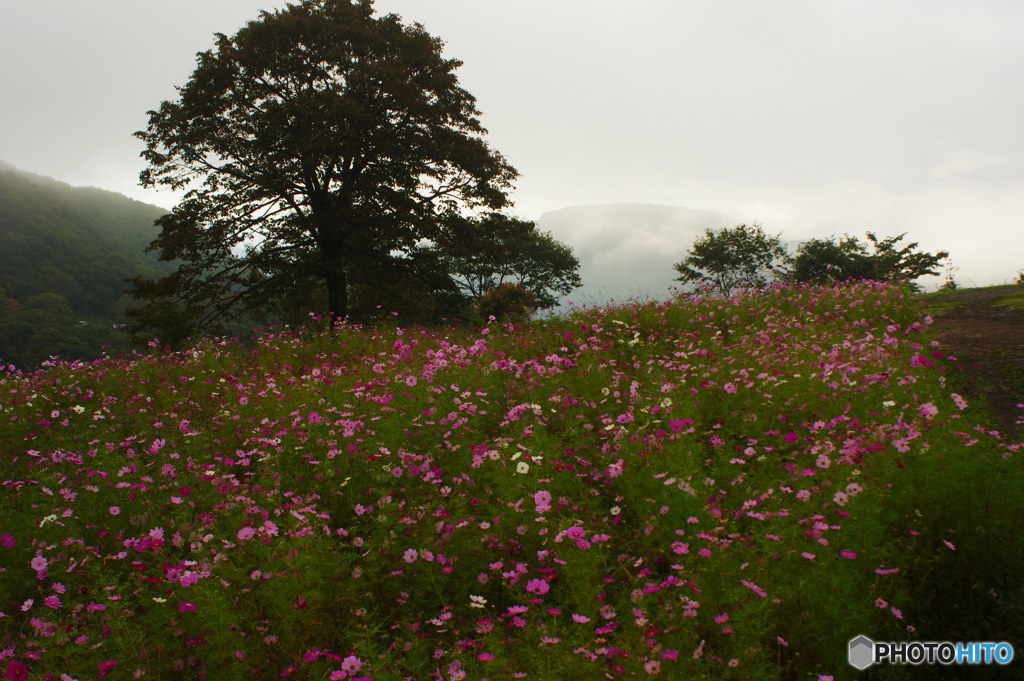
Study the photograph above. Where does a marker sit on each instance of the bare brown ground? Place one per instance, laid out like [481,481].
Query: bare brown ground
[988,341]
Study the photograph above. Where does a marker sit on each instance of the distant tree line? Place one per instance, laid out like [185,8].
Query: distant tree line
[744,256]
[44,326]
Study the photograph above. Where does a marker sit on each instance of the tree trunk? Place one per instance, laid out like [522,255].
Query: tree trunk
[337,292]
[330,242]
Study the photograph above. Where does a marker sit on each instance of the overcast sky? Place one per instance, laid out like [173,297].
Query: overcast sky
[810,116]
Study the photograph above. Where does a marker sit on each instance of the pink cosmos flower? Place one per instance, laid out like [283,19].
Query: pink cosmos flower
[580,619]
[16,671]
[754,587]
[928,410]
[537,586]
[351,664]
[105,667]
[39,563]
[410,555]
[7,541]
[246,533]
[576,532]
[677,425]
[115,510]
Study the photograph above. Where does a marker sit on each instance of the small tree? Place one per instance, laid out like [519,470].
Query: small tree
[483,253]
[824,260]
[950,282]
[730,257]
[507,303]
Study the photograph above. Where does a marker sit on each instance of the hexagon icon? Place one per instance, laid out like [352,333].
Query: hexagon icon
[862,652]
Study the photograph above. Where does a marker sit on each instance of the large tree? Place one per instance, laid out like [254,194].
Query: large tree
[323,140]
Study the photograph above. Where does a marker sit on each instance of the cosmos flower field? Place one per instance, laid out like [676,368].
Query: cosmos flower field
[699,488]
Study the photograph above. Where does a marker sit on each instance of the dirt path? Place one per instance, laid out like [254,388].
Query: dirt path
[988,339]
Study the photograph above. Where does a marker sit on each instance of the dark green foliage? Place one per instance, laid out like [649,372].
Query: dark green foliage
[325,140]
[483,253]
[823,260]
[730,257]
[507,303]
[78,242]
[65,253]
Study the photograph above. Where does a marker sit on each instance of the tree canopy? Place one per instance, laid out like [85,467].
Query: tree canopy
[832,259]
[729,257]
[485,252]
[326,142]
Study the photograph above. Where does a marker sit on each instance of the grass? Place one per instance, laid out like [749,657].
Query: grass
[702,488]
[1013,301]
[945,301]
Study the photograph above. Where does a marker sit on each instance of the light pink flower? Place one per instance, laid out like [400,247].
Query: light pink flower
[537,586]
[351,664]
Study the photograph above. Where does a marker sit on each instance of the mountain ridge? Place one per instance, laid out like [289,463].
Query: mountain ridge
[65,253]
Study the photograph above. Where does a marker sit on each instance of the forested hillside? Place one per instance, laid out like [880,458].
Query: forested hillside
[64,254]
